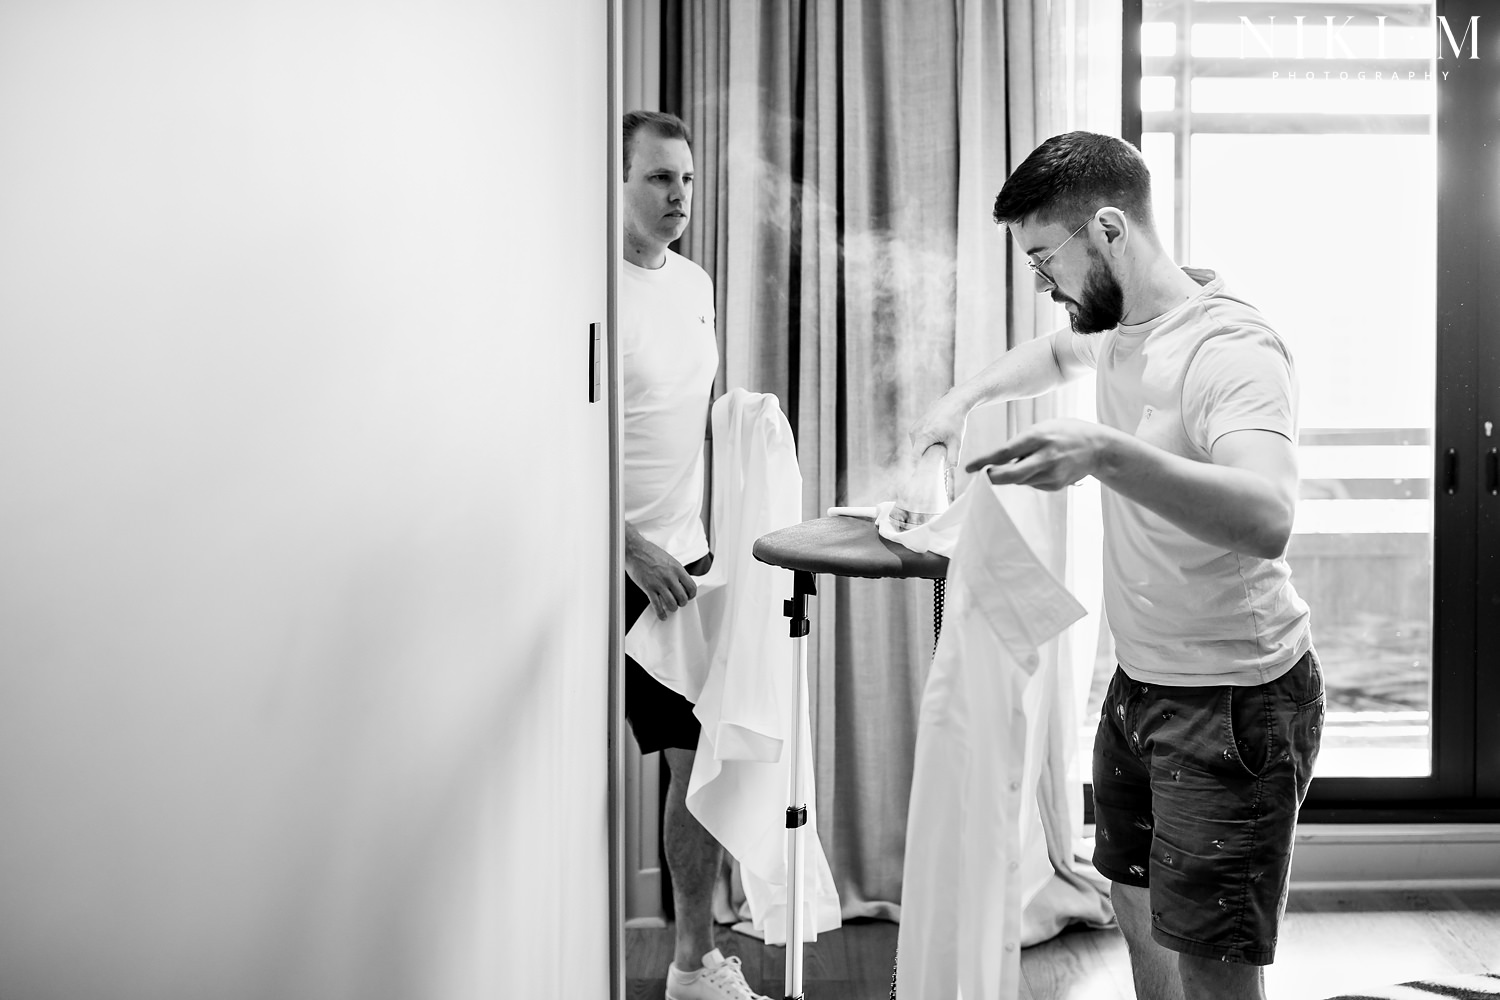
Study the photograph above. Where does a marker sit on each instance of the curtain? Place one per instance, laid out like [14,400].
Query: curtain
[640,55]
[848,154]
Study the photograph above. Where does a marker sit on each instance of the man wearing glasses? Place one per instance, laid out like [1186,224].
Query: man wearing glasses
[1210,727]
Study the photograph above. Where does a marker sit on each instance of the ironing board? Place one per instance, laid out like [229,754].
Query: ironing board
[842,546]
[846,546]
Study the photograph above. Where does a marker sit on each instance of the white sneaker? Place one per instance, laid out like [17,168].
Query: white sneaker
[719,979]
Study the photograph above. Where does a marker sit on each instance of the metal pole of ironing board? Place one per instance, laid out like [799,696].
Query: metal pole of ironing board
[803,585]
[842,546]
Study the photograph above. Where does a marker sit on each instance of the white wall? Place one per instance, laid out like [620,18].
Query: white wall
[303,525]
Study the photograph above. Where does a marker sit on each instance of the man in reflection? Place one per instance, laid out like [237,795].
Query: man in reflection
[668,357]
[1210,726]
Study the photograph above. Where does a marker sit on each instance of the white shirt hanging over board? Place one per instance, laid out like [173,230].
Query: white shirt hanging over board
[728,652]
[995,806]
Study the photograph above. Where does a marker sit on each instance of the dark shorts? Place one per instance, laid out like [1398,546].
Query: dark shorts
[658,716]
[1196,791]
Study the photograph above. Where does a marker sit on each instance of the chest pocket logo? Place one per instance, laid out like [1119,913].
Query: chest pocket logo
[1145,427]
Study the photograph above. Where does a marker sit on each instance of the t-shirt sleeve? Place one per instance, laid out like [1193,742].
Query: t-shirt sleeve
[1242,379]
[706,294]
[1082,349]
[702,290]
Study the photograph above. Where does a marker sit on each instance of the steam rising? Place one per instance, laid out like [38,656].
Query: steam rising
[908,290]
[897,291]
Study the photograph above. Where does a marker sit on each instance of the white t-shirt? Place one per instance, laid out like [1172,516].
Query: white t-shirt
[668,356]
[1183,611]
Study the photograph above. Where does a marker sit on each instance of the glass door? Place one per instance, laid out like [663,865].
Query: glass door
[1312,154]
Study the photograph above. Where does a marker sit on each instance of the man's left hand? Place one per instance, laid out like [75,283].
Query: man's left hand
[1047,456]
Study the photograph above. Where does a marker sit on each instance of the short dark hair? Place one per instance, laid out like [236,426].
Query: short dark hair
[1069,177]
[668,126]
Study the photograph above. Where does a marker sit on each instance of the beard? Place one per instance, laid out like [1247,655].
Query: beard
[1102,304]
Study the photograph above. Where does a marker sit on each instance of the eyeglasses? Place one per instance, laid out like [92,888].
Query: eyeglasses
[1036,265]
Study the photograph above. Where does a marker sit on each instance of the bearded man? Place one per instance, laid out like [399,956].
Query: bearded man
[1210,727]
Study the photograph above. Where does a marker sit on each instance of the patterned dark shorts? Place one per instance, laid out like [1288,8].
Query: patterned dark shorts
[1196,791]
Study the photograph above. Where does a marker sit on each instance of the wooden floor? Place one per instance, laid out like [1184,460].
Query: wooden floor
[1331,943]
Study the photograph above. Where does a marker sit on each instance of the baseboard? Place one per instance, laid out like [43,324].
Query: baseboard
[646,923]
[1401,885]
[1396,856]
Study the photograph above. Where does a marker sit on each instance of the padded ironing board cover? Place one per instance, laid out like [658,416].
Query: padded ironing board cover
[846,546]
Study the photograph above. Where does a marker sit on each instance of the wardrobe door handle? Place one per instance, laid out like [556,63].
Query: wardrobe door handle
[1492,472]
[1450,471]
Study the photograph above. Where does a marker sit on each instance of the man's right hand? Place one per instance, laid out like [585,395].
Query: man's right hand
[661,578]
[1022,372]
[943,424]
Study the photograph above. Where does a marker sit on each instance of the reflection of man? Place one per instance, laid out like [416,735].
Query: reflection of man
[668,359]
[1210,726]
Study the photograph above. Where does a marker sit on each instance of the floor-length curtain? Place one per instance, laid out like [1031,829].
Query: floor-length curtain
[847,155]
[1030,69]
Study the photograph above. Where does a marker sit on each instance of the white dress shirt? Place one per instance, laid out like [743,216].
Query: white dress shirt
[994,815]
[728,652]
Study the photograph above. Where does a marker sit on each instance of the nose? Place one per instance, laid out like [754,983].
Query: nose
[1043,283]
[677,193]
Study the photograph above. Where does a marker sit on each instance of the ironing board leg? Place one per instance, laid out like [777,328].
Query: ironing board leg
[803,585]
[939,593]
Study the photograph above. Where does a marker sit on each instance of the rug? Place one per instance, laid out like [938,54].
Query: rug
[1477,987]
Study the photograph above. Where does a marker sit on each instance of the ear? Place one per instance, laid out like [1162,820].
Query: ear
[1114,227]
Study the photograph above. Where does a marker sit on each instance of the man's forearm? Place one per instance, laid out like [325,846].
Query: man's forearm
[634,541]
[1218,504]
[1024,371]
[1028,370]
